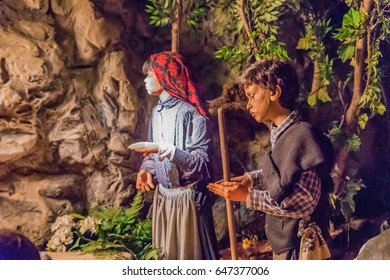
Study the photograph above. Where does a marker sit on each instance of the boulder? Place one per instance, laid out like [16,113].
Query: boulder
[376,248]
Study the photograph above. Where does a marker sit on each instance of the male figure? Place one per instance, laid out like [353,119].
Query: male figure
[294,178]
[177,156]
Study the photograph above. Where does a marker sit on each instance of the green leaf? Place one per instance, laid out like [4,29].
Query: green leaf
[346,52]
[381,109]
[76,245]
[165,21]
[346,210]
[353,18]
[323,95]
[303,44]
[77,216]
[312,100]
[333,199]
[352,3]
[351,203]
[363,119]
[149,9]
[354,143]
[192,22]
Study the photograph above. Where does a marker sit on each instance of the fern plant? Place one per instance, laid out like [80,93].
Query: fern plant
[107,231]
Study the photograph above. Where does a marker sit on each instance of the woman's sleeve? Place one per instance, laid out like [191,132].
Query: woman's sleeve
[193,162]
[148,163]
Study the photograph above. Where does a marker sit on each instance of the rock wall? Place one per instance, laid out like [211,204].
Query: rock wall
[68,110]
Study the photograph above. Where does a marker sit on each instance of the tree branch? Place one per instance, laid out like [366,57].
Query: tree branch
[241,11]
[176,27]
[360,51]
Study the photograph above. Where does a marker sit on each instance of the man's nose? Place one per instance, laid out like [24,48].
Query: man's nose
[248,105]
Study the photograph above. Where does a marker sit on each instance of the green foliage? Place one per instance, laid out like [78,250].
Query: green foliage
[316,30]
[270,48]
[337,135]
[227,53]
[375,26]
[312,42]
[197,14]
[371,97]
[323,95]
[162,12]
[354,143]
[340,138]
[353,3]
[226,18]
[346,52]
[351,29]
[110,230]
[362,121]
[343,203]
[254,41]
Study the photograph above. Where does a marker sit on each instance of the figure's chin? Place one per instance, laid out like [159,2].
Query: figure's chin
[152,93]
[258,119]
[255,117]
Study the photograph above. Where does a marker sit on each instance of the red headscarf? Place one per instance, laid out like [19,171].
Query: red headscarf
[175,77]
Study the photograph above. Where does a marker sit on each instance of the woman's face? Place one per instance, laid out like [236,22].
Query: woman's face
[152,85]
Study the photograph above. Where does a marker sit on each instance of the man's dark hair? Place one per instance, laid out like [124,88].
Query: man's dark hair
[272,73]
[16,246]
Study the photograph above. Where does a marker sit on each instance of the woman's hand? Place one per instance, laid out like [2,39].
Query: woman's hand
[144,181]
[146,148]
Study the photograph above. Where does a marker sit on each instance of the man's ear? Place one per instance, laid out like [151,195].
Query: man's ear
[276,93]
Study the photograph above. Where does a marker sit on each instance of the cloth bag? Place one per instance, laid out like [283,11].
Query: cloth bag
[313,245]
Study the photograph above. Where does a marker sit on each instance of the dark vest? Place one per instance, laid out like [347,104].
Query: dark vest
[300,148]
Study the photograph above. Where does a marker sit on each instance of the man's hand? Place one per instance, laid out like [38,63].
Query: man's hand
[144,181]
[146,148]
[235,190]
[244,180]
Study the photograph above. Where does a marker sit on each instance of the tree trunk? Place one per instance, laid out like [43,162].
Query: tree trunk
[176,27]
[352,111]
[241,12]
[360,53]
[339,167]
[315,87]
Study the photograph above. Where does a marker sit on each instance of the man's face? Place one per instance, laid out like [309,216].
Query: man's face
[152,85]
[259,102]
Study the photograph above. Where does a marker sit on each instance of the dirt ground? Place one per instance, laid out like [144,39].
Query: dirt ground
[345,245]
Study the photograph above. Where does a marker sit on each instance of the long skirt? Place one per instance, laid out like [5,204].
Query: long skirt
[175,224]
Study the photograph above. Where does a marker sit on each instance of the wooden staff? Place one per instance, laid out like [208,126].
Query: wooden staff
[226,177]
